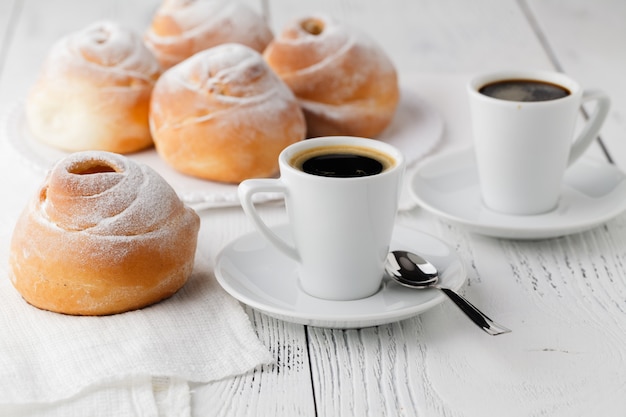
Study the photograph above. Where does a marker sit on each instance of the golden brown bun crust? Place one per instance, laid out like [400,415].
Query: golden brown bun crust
[223,115]
[346,84]
[104,235]
[181,28]
[93,91]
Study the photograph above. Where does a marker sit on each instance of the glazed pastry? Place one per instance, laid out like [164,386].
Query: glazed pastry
[180,28]
[345,83]
[93,91]
[103,235]
[224,115]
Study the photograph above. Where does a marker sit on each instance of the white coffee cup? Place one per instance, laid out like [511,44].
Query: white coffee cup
[341,227]
[523,148]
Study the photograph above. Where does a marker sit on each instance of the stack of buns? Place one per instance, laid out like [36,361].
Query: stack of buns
[216,93]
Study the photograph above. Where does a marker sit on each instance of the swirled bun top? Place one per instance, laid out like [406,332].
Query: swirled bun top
[104,193]
[181,28]
[103,235]
[224,115]
[106,45]
[93,91]
[229,74]
[345,82]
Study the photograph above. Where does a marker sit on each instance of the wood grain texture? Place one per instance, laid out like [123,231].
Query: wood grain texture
[564,300]
[368,372]
[280,389]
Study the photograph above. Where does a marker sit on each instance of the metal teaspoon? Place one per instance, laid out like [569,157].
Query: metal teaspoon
[413,271]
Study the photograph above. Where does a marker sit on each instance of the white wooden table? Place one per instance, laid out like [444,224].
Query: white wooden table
[564,298]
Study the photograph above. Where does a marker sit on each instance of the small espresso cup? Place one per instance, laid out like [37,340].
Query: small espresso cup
[341,196]
[523,124]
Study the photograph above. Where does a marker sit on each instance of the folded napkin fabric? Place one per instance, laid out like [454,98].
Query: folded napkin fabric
[133,397]
[200,334]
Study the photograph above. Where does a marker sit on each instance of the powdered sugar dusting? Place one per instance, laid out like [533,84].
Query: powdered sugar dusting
[109,47]
[324,49]
[228,81]
[130,200]
[196,16]
[331,39]
[344,81]
[183,27]
[105,234]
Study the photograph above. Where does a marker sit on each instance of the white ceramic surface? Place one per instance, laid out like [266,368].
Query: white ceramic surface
[416,129]
[592,193]
[257,274]
[341,226]
[524,147]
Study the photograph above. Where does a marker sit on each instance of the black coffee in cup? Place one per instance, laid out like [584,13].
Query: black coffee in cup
[524,90]
[342,161]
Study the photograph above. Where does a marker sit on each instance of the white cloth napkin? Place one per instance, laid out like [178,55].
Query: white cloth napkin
[133,364]
[133,397]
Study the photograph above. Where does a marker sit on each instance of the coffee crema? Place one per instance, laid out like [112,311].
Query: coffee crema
[524,90]
[342,161]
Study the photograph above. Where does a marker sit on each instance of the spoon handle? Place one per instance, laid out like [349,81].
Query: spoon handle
[475,314]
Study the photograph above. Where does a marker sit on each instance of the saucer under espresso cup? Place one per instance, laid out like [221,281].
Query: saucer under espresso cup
[254,272]
[447,185]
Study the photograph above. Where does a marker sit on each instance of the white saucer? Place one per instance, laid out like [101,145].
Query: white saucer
[447,185]
[415,130]
[255,273]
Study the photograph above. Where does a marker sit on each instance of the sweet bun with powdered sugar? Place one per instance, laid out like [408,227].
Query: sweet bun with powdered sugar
[224,115]
[102,235]
[93,91]
[345,83]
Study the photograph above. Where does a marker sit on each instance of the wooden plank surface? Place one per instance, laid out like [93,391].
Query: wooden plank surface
[563,297]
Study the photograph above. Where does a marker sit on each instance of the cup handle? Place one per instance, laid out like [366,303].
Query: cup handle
[592,127]
[246,191]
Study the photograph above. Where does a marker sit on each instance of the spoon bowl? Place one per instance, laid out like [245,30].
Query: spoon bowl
[413,271]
